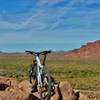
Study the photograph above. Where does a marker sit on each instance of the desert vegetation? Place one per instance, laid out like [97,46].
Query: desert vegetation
[82,74]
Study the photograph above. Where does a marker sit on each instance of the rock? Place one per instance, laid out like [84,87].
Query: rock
[89,51]
[17,95]
[83,97]
[11,89]
[20,92]
[25,86]
[66,91]
[7,82]
[14,93]
[32,97]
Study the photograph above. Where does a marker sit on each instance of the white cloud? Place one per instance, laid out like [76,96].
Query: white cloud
[92,1]
[11,38]
[50,20]
[49,2]
[43,17]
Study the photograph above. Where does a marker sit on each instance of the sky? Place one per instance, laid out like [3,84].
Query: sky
[48,24]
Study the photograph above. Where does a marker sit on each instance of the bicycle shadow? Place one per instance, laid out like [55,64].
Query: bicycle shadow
[32,97]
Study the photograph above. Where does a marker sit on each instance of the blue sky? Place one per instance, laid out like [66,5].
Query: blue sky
[48,24]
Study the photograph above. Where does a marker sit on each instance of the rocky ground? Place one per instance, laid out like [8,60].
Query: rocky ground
[11,89]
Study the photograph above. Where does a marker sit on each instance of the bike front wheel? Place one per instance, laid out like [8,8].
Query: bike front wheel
[45,90]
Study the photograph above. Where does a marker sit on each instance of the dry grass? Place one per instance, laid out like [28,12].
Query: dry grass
[83,74]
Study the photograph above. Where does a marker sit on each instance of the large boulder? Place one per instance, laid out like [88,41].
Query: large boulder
[17,95]
[66,91]
[11,89]
[7,82]
[25,86]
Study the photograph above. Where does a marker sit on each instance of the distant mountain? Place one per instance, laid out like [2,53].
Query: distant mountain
[55,55]
[91,50]
[0,51]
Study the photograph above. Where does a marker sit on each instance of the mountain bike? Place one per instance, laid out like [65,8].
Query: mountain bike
[42,78]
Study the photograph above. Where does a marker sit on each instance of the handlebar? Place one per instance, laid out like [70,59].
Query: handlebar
[38,53]
[30,52]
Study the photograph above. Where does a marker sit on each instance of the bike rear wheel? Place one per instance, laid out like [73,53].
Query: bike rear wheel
[45,91]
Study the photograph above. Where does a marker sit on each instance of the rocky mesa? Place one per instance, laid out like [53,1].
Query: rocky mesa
[91,50]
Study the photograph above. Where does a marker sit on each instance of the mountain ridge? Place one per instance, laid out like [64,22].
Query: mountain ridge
[90,50]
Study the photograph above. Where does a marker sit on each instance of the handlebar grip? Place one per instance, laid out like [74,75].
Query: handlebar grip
[49,51]
[46,52]
[26,51]
[30,52]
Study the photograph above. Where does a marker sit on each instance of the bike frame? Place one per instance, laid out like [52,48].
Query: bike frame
[39,72]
